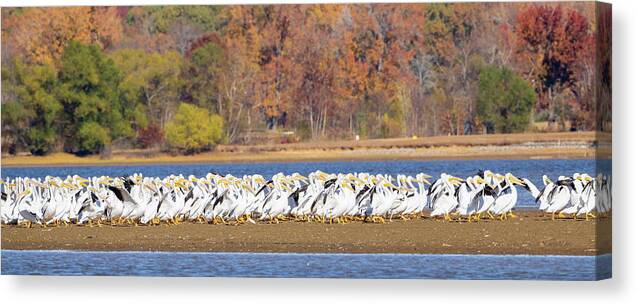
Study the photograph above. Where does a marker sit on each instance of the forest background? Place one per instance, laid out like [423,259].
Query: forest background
[88,80]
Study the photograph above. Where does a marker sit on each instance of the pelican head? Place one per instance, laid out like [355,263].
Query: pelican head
[546,180]
[513,179]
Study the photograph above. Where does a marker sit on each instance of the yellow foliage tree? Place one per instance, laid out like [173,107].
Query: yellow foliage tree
[193,129]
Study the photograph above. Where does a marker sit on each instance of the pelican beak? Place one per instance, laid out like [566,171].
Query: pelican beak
[547,181]
[147,185]
[426,175]
[516,180]
[83,182]
[456,180]
[248,187]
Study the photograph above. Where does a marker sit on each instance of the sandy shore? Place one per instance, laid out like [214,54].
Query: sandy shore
[502,146]
[528,234]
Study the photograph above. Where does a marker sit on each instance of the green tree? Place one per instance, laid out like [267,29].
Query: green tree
[504,99]
[30,108]
[89,92]
[93,137]
[150,85]
[193,129]
[204,70]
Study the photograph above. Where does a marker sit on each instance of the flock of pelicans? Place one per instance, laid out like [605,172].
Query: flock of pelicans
[319,197]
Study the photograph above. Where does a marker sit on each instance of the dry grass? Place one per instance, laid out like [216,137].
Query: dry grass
[508,146]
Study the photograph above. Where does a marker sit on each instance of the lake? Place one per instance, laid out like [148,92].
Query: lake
[414,266]
[531,169]
[419,266]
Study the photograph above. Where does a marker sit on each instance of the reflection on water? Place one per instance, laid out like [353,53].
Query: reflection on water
[532,169]
[419,266]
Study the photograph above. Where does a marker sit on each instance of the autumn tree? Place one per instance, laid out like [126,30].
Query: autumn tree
[375,60]
[314,73]
[175,27]
[552,40]
[79,78]
[453,35]
[42,34]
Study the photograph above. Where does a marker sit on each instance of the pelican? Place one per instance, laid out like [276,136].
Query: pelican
[507,196]
[442,196]
[317,197]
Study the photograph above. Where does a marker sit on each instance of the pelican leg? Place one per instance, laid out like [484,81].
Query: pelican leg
[490,215]
[512,215]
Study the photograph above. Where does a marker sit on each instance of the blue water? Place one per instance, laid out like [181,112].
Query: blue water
[531,169]
[418,266]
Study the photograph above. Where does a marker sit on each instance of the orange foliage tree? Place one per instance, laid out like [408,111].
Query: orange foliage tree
[42,34]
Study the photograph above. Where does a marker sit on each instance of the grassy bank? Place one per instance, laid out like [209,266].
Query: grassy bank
[502,146]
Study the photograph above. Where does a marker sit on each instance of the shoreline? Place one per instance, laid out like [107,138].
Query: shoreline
[530,234]
[475,147]
[307,253]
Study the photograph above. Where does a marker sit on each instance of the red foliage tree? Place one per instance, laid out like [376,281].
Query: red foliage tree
[150,136]
[202,41]
[552,39]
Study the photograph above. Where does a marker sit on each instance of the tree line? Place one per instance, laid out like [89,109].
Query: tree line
[85,79]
